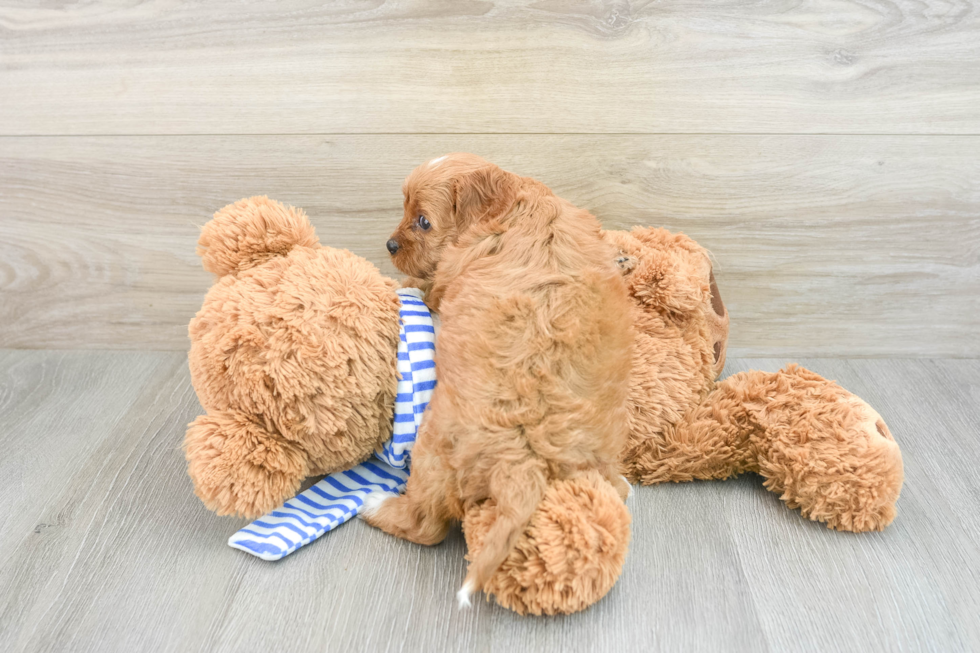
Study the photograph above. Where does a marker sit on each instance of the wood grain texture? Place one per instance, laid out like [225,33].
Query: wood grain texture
[106,548]
[897,579]
[464,66]
[823,245]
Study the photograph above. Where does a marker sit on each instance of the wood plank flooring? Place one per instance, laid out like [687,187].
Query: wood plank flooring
[106,548]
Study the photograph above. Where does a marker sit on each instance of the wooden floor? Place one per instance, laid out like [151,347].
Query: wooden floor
[105,548]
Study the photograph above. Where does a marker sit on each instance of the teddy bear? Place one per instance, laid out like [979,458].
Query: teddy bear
[294,355]
[821,448]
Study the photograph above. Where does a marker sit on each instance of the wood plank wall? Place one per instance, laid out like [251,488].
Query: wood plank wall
[826,152]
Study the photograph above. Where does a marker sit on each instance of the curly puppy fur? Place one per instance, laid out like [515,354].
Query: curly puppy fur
[821,448]
[292,356]
[533,355]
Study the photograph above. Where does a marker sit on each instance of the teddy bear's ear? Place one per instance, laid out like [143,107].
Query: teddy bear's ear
[250,232]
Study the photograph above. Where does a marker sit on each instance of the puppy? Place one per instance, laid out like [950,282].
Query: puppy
[533,352]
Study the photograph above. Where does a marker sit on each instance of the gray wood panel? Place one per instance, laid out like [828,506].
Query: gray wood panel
[106,548]
[824,245]
[839,66]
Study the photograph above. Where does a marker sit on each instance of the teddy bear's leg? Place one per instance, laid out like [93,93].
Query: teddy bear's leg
[422,514]
[826,451]
[709,442]
[821,448]
[240,467]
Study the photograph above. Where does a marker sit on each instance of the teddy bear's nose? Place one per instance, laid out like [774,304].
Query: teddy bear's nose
[392,246]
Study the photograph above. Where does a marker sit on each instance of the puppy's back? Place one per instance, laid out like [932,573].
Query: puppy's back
[535,335]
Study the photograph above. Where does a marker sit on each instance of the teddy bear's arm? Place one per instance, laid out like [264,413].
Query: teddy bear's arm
[662,270]
[240,467]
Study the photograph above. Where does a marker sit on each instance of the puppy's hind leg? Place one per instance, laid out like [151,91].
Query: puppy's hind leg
[619,482]
[422,514]
[517,488]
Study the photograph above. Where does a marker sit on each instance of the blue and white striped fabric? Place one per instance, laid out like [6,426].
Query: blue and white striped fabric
[417,366]
[340,496]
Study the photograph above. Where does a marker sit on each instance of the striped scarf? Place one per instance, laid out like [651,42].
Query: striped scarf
[340,496]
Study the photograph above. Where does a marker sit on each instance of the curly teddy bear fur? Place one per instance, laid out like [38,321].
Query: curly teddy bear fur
[821,448]
[569,556]
[292,356]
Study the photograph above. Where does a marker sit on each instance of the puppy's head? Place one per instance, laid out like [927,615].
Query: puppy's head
[444,198]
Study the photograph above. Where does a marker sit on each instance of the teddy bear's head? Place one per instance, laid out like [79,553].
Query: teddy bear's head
[292,356]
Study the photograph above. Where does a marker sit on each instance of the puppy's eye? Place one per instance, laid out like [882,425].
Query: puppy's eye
[424,223]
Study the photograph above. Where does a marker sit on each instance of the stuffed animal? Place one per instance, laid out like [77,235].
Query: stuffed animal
[824,450]
[294,356]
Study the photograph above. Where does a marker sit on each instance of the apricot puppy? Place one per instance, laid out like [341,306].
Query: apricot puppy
[533,354]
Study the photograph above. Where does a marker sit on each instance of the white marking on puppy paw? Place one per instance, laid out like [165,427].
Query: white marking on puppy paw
[372,502]
[463,596]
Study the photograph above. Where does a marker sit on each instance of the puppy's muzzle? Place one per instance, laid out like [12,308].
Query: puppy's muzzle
[392,246]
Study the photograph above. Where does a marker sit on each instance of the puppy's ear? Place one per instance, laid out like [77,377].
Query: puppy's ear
[482,195]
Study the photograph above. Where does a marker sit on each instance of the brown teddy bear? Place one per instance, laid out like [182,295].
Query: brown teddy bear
[824,450]
[293,356]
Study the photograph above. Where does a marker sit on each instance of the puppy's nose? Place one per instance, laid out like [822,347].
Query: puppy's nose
[392,246]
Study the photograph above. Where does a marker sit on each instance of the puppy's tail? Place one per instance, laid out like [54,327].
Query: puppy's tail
[517,488]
